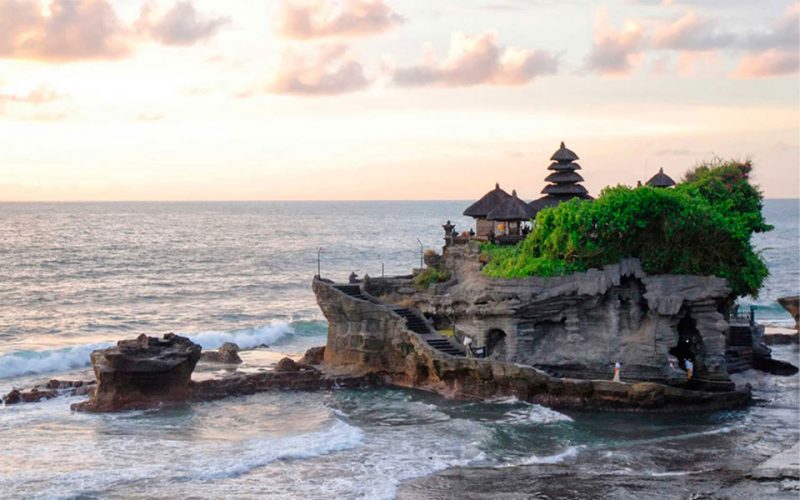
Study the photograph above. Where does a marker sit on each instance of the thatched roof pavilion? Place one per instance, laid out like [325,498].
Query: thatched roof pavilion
[481,208]
[511,210]
[661,180]
[564,181]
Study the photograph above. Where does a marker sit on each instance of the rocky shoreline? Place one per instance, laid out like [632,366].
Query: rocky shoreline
[779,477]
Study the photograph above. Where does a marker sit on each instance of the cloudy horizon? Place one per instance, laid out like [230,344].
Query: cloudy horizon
[387,99]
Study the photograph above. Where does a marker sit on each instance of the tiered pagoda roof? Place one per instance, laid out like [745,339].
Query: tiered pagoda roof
[564,181]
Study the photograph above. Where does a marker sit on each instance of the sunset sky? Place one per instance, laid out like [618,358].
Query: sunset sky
[387,99]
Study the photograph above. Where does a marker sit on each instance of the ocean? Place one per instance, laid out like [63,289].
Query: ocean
[79,276]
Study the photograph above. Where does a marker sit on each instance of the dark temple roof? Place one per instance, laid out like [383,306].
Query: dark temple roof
[564,176]
[564,155]
[481,208]
[512,209]
[563,182]
[661,180]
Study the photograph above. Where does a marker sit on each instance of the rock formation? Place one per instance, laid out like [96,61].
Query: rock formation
[366,337]
[148,372]
[581,324]
[227,354]
[142,373]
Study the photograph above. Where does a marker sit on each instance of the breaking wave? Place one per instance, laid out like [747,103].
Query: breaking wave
[21,363]
[247,338]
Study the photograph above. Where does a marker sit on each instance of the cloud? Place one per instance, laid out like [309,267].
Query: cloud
[768,52]
[615,51]
[478,60]
[39,95]
[182,24]
[73,30]
[772,62]
[325,70]
[309,19]
[783,34]
[691,33]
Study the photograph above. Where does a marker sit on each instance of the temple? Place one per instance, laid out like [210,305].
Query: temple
[661,180]
[504,218]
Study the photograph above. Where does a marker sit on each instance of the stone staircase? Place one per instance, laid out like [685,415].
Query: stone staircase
[414,322]
[419,326]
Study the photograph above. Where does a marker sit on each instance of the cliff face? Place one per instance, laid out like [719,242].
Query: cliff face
[580,325]
[366,337]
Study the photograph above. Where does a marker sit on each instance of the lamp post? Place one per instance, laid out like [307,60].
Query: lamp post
[421,255]
[319,263]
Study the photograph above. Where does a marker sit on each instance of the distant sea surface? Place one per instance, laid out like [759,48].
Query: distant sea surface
[78,276]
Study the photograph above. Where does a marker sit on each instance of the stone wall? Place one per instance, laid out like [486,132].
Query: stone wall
[580,325]
[368,338]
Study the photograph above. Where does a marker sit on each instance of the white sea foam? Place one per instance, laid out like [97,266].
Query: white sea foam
[247,338]
[536,414]
[20,363]
[568,454]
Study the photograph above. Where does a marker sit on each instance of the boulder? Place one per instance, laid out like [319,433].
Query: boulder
[142,373]
[287,365]
[227,354]
[13,397]
[313,356]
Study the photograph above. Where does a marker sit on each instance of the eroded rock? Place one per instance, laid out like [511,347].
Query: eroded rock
[227,354]
[142,373]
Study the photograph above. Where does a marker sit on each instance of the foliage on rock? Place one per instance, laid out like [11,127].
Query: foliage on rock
[431,275]
[703,226]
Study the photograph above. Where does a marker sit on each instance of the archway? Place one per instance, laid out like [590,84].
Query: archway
[690,342]
[496,343]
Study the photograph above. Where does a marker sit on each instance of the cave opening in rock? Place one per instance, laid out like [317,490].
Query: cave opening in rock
[496,343]
[689,342]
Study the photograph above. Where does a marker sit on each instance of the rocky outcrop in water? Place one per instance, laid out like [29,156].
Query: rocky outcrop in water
[142,373]
[227,354]
[149,372]
[368,338]
[52,389]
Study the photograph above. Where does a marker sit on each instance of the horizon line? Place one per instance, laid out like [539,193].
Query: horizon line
[354,200]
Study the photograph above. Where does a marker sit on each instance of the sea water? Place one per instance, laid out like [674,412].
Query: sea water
[77,277]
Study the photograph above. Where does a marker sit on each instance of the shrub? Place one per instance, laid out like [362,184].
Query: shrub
[431,275]
[703,226]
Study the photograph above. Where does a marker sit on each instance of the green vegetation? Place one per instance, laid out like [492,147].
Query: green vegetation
[432,274]
[702,226]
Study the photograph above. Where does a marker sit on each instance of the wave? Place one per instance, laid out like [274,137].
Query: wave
[247,338]
[21,363]
[36,362]
[568,454]
[535,414]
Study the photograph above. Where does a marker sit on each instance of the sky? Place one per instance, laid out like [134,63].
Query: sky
[387,99]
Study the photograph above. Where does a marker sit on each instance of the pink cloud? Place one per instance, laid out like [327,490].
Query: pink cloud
[615,51]
[74,30]
[182,24]
[308,19]
[479,60]
[690,33]
[772,62]
[325,70]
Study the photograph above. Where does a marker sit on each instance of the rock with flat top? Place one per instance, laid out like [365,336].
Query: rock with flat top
[142,373]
